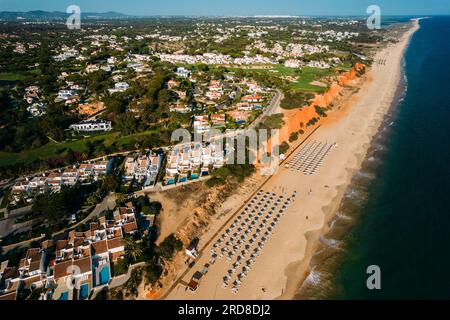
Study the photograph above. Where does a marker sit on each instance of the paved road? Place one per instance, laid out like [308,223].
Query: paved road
[7,226]
[272,108]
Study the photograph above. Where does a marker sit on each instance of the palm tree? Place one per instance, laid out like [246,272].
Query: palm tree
[132,249]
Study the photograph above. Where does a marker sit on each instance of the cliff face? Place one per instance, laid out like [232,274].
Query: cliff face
[348,77]
[294,117]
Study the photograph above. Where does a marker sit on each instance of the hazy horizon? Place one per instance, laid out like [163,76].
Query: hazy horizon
[235,7]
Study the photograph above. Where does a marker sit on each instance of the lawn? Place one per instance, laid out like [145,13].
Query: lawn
[52,149]
[18,76]
[12,77]
[305,76]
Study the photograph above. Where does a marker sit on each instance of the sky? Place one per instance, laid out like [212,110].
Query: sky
[236,7]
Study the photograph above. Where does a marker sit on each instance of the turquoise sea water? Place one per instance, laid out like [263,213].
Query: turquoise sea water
[396,213]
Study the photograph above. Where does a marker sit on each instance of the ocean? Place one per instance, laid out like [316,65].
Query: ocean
[395,214]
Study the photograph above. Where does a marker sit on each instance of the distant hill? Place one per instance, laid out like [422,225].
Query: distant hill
[46,15]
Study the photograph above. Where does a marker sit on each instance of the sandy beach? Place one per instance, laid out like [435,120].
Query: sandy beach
[333,153]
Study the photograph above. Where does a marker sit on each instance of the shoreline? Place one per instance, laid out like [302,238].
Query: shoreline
[285,261]
[331,210]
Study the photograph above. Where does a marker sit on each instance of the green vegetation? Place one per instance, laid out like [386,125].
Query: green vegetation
[154,207]
[169,246]
[312,122]
[133,249]
[55,207]
[274,121]
[153,272]
[120,267]
[12,77]
[135,280]
[284,147]
[293,137]
[60,149]
[230,173]
[305,75]
[321,111]
[295,99]
[110,183]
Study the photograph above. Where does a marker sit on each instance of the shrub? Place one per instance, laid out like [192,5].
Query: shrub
[293,137]
[169,246]
[295,99]
[284,147]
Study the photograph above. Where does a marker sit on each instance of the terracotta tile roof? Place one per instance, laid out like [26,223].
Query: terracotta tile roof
[47,244]
[10,273]
[29,281]
[99,247]
[22,262]
[84,264]
[8,296]
[53,175]
[84,166]
[129,227]
[115,243]
[35,265]
[118,232]
[130,205]
[71,235]
[93,226]
[61,244]
[62,269]
[114,256]
[78,242]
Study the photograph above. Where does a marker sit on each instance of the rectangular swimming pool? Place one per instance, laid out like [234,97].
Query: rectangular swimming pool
[64,296]
[103,276]
[84,291]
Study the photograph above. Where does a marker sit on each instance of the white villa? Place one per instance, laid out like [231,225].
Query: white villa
[194,158]
[92,126]
[144,169]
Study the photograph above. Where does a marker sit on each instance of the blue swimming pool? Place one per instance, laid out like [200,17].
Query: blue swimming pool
[194,176]
[184,179]
[103,276]
[64,296]
[170,181]
[84,291]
